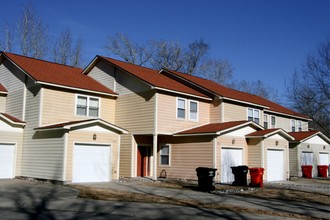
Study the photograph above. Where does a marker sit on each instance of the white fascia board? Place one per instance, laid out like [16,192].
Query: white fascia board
[90,65]
[318,133]
[12,122]
[5,93]
[244,102]
[69,127]
[76,89]
[181,93]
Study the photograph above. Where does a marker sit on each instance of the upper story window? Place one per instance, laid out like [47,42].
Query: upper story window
[87,106]
[266,121]
[165,155]
[254,115]
[193,110]
[187,109]
[299,126]
[293,125]
[273,122]
[181,108]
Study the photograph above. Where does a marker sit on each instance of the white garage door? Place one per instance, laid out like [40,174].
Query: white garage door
[91,163]
[307,158]
[7,161]
[230,157]
[275,165]
[323,159]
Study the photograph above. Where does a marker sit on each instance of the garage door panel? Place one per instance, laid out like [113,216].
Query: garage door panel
[91,163]
[323,159]
[230,157]
[7,161]
[275,165]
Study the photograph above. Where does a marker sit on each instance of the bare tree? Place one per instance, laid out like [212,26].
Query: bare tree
[256,87]
[6,38]
[193,56]
[32,34]
[76,58]
[219,71]
[131,52]
[308,89]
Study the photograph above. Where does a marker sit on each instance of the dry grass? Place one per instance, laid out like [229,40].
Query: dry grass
[114,195]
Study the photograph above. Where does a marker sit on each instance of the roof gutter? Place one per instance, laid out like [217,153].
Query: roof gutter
[181,93]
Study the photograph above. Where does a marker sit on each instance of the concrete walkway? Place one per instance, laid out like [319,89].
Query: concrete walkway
[33,200]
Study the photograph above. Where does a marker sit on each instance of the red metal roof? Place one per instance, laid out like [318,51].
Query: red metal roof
[58,74]
[154,78]
[236,95]
[301,135]
[12,118]
[2,88]
[263,132]
[212,128]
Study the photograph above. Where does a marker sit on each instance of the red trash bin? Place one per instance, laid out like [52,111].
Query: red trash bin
[322,171]
[256,177]
[307,171]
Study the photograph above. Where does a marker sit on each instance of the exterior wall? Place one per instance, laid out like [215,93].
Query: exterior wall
[234,112]
[126,156]
[215,111]
[167,115]
[60,106]
[254,153]
[294,160]
[312,146]
[283,144]
[285,123]
[226,141]
[2,103]
[104,74]
[187,153]
[86,137]
[13,80]
[13,135]
[42,155]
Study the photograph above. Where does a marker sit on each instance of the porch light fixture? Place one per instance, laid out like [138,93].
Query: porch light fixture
[94,137]
[307,146]
[276,143]
[323,147]
[233,141]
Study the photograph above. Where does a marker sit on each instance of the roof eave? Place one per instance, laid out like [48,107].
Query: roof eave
[181,93]
[281,113]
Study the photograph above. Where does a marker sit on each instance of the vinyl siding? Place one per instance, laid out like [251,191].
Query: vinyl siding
[135,112]
[43,151]
[60,106]
[127,84]
[14,138]
[234,112]
[215,111]
[13,80]
[167,115]
[186,156]
[104,74]
[3,103]
[293,163]
[125,155]
[254,153]
[283,144]
[85,137]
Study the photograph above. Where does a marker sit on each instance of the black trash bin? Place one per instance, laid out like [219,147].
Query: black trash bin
[240,174]
[205,178]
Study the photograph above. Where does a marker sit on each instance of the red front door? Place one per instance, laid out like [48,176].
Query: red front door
[143,161]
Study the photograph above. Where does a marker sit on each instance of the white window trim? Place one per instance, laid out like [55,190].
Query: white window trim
[271,125]
[177,107]
[88,100]
[197,113]
[169,155]
[293,125]
[266,116]
[299,125]
[253,110]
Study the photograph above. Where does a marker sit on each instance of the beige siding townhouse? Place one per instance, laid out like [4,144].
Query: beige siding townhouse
[65,121]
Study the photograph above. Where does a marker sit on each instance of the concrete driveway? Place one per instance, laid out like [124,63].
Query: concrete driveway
[33,200]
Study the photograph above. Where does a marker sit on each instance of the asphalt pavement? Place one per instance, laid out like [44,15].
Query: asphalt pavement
[22,199]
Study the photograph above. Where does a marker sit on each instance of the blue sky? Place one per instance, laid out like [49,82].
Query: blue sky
[263,39]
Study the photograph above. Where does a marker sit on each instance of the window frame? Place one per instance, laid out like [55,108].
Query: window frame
[177,108]
[271,121]
[168,155]
[299,125]
[88,106]
[253,115]
[293,125]
[266,116]
[189,110]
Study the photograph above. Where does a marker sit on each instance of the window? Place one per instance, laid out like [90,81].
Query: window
[299,126]
[266,121]
[165,155]
[254,115]
[273,122]
[87,106]
[181,108]
[193,110]
[293,125]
